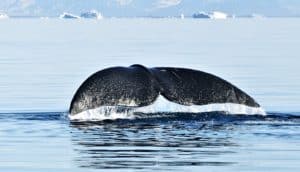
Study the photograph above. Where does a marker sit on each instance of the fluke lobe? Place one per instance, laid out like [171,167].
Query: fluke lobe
[139,87]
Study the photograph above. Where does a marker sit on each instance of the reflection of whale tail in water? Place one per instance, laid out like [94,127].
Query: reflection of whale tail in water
[139,88]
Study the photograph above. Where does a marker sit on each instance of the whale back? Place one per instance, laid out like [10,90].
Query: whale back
[138,86]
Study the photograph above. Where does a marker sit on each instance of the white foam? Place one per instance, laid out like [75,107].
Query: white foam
[102,113]
[162,105]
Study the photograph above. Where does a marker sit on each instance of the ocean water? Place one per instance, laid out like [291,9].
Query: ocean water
[43,62]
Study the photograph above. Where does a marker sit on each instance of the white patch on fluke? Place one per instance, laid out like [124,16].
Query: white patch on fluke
[162,105]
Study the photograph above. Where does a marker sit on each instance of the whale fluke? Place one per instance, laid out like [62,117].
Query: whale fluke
[137,86]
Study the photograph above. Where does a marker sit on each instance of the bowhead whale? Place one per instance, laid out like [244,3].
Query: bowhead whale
[145,89]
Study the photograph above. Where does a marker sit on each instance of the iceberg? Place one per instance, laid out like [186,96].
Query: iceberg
[93,14]
[211,15]
[218,15]
[68,16]
[182,16]
[3,16]
[257,16]
[202,15]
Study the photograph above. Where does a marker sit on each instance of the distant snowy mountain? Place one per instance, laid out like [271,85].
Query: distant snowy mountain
[149,8]
[93,14]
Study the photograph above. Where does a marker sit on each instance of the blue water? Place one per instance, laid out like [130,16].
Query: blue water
[43,62]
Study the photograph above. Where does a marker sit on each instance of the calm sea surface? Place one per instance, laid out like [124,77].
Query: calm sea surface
[43,62]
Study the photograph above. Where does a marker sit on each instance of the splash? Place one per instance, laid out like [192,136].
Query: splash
[161,105]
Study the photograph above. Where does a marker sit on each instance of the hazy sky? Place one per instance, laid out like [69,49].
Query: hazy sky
[120,8]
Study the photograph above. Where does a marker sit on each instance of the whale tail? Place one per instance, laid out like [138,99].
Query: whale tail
[138,86]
